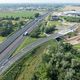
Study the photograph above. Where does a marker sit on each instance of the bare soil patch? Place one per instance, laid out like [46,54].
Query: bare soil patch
[69,8]
[74,40]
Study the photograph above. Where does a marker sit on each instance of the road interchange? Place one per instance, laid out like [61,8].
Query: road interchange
[4,66]
[10,45]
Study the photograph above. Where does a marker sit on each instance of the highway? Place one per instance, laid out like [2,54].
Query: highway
[5,65]
[13,37]
[9,45]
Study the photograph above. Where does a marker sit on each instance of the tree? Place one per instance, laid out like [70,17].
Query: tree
[49,29]
[17,18]
[8,29]
[72,19]
[34,77]
[67,47]
[58,65]
[36,15]
[48,18]
[35,33]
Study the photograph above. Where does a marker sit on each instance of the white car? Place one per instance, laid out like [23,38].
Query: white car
[25,34]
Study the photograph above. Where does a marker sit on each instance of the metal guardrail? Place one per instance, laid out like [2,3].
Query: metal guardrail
[28,48]
[13,37]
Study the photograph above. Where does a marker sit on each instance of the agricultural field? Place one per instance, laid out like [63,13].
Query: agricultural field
[25,68]
[18,14]
[12,21]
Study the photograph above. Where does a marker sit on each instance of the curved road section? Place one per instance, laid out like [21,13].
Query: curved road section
[13,37]
[9,45]
[11,60]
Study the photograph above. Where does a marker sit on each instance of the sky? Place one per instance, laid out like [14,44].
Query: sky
[39,1]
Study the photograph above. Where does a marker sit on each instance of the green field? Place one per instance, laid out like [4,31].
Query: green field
[2,39]
[54,23]
[18,13]
[24,69]
[77,46]
[26,41]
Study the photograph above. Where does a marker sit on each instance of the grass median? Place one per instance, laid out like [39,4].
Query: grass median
[26,41]
[2,39]
[25,67]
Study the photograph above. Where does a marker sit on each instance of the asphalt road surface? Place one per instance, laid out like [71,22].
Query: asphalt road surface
[8,62]
[13,37]
[11,46]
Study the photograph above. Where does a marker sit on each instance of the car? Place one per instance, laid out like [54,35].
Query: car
[25,34]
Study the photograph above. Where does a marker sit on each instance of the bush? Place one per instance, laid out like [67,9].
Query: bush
[36,15]
[49,29]
[59,65]
[72,19]
[35,33]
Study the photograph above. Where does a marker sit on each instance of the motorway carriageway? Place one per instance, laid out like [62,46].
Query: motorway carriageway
[31,46]
[7,52]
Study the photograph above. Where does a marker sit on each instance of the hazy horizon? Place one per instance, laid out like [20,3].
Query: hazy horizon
[40,1]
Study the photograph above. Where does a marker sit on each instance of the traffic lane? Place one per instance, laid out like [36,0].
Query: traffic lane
[8,49]
[57,35]
[25,50]
[12,38]
[13,59]
[40,20]
[13,46]
[22,53]
[8,55]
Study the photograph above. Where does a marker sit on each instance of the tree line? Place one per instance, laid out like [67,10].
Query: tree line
[72,19]
[61,63]
[41,29]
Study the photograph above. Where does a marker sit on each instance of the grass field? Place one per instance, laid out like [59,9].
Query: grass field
[77,46]
[1,39]
[24,69]
[18,13]
[26,41]
[52,23]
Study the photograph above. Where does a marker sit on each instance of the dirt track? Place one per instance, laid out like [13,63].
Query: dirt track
[74,40]
[69,8]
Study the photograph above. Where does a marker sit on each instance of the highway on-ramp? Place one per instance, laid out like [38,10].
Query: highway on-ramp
[31,46]
[9,45]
